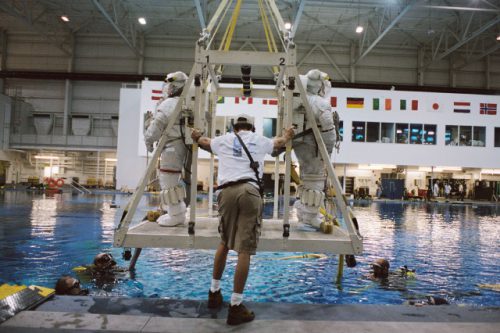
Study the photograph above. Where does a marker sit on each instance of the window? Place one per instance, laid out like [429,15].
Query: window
[372,132]
[451,135]
[401,133]
[358,131]
[478,136]
[416,134]
[269,127]
[465,135]
[429,135]
[387,133]
[497,136]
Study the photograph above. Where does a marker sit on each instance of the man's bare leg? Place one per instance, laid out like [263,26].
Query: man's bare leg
[220,261]
[241,273]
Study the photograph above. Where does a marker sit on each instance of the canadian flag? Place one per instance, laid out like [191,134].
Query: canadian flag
[249,100]
[270,101]
[156,94]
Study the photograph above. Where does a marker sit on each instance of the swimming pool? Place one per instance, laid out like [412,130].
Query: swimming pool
[453,248]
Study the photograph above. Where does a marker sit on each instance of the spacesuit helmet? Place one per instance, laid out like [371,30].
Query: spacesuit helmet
[174,83]
[317,82]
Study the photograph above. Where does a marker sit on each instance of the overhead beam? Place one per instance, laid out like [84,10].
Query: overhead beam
[297,18]
[334,64]
[389,27]
[104,13]
[200,14]
[469,38]
[487,52]
[26,18]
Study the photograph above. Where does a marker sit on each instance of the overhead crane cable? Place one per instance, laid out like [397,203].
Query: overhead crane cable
[232,25]
[275,22]
[223,40]
[267,30]
[228,5]
[265,22]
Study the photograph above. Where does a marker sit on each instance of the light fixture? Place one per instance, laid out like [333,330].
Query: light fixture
[43,157]
[142,20]
[110,159]
[288,26]
[498,37]
[359,29]
[450,168]
[65,18]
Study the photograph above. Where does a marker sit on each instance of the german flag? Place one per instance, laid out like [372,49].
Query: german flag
[355,102]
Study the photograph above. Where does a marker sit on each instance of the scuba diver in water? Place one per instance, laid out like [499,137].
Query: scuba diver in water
[398,280]
[104,272]
[68,285]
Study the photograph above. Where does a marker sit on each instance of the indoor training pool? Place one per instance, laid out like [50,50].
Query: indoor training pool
[453,249]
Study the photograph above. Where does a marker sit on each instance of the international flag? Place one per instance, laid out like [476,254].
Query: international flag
[461,107]
[249,100]
[435,106]
[270,101]
[156,94]
[388,104]
[414,105]
[333,102]
[355,102]
[488,108]
[402,104]
[376,104]
[220,99]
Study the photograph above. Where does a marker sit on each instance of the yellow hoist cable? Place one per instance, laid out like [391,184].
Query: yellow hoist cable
[232,26]
[271,43]
[218,26]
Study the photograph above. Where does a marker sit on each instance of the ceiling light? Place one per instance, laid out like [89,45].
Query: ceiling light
[288,26]
[359,29]
[142,20]
[498,37]
[110,159]
[65,18]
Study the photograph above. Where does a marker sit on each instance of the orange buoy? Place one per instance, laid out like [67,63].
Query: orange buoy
[60,182]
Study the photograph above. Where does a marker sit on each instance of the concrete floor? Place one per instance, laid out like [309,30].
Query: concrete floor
[93,314]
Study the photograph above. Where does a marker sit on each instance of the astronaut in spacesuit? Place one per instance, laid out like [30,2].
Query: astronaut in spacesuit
[312,171]
[174,154]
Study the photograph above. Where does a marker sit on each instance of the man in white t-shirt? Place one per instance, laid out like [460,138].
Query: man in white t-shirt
[240,206]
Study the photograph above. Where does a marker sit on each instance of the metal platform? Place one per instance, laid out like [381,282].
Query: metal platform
[302,238]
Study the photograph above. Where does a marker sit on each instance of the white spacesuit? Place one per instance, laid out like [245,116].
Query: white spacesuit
[173,155]
[312,171]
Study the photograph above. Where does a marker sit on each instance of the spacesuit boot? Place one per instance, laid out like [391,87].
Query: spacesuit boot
[172,196]
[311,199]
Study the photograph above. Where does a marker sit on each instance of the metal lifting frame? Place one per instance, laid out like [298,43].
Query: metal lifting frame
[202,75]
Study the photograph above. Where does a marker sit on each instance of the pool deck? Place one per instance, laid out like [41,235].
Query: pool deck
[115,314]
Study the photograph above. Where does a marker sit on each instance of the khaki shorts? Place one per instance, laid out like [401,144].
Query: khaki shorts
[240,210]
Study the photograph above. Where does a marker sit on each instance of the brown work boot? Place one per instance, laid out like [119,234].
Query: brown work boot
[239,314]
[214,299]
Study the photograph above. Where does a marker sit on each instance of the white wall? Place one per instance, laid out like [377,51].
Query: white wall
[130,166]
[420,155]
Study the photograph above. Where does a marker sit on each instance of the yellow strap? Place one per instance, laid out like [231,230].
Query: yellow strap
[271,44]
[232,25]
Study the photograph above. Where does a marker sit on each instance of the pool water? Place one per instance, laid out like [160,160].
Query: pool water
[453,248]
